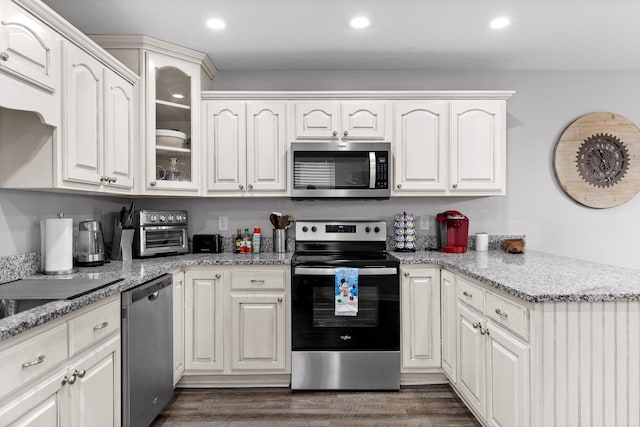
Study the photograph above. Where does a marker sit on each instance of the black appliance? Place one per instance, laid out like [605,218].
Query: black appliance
[330,348]
[207,243]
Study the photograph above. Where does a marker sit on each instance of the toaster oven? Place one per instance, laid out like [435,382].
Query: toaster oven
[160,232]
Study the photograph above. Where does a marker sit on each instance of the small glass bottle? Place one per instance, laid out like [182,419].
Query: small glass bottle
[238,242]
[247,241]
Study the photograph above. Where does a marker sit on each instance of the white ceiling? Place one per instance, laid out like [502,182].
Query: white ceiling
[404,34]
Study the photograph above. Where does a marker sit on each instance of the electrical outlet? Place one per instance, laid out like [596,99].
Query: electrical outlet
[425,222]
[223,223]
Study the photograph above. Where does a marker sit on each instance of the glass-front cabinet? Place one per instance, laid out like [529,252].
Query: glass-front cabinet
[173,91]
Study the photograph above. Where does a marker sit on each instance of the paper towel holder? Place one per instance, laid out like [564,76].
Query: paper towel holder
[42,254]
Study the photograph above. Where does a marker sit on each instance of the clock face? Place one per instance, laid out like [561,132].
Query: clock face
[602,160]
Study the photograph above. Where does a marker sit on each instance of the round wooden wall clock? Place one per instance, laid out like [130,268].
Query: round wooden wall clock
[597,160]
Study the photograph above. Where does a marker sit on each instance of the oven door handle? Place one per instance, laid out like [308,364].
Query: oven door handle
[330,271]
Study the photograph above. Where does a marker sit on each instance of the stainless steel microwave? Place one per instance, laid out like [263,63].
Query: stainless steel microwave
[340,169]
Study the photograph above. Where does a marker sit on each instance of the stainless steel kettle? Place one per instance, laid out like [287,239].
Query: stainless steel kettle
[90,247]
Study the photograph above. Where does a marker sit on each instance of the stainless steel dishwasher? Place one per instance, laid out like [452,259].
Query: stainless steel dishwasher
[147,351]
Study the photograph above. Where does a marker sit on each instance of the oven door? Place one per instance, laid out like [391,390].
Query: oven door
[315,325]
[157,240]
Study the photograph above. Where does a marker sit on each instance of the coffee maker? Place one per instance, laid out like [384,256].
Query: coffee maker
[90,247]
[453,232]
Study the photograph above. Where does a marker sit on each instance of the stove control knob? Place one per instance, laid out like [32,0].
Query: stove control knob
[305,229]
[377,229]
[154,218]
[367,229]
[178,217]
[170,218]
[314,229]
[163,218]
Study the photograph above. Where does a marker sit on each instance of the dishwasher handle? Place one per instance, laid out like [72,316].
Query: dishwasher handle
[150,290]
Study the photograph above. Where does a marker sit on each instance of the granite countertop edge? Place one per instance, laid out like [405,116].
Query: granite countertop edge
[535,277]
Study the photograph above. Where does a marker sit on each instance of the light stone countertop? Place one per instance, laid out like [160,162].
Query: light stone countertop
[532,276]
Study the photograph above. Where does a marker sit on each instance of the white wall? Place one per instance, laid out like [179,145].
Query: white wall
[545,103]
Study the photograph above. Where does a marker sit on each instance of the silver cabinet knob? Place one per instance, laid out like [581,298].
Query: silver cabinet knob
[4,56]
[279,299]
[218,275]
[477,325]
[399,185]
[113,179]
[335,133]
[345,133]
[467,294]
[103,179]
[241,186]
[152,183]
[406,274]
[72,379]
[455,185]
[250,186]
[81,373]
[65,380]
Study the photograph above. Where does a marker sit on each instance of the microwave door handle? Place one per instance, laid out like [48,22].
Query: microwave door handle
[372,169]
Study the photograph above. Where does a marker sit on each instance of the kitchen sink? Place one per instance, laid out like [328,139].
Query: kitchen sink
[9,307]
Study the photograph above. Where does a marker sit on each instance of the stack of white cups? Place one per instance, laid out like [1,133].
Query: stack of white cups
[482,242]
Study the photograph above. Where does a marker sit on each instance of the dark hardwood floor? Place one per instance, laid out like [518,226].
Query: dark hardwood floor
[412,406]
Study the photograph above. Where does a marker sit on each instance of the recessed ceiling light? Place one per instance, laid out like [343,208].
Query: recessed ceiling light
[216,24]
[499,23]
[360,22]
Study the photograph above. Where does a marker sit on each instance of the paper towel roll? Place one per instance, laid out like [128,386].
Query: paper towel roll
[57,245]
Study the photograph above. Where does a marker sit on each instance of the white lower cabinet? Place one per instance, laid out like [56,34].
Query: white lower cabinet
[492,360]
[420,319]
[178,325]
[448,316]
[237,322]
[82,390]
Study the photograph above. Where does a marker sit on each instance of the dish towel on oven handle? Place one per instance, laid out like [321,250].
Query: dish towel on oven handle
[346,291]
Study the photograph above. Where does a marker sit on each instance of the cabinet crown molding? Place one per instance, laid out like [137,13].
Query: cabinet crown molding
[361,94]
[138,41]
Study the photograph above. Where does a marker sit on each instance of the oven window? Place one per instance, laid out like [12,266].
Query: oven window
[324,309]
[164,238]
[329,170]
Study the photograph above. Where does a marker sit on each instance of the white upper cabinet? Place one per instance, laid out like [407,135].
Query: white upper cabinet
[82,137]
[98,125]
[245,148]
[173,104]
[478,147]
[29,49]
[335,120]
[420,146]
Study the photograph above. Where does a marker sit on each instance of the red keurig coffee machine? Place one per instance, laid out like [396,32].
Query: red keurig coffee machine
[453,232]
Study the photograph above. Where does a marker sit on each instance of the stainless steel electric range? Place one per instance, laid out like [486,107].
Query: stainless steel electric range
[345,307]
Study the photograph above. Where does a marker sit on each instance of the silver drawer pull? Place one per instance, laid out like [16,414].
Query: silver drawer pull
[38,361]
[80,374]
[257,281]
[477,325]
[101,326]
[467,294]
[501,313]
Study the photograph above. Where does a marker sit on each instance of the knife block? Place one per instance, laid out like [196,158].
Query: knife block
[122,246]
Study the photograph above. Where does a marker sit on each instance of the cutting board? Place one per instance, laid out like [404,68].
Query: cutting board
[52,288]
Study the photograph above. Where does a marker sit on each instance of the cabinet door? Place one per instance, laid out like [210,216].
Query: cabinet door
[94,396]
[508,380]
[258,332]
[119,126]
[173,103]
[82,117]
[317,120]
[29,49]
[420,307]
[363,120]
[472,359]
[204,326]
[448,292]
[226,144]
[266,147]
[478,146]
[44,404]
[420,146]
[178,326]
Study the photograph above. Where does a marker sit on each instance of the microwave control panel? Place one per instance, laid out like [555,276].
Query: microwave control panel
[382,170]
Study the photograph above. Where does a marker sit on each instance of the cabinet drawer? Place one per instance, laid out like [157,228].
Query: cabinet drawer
[258,279]
[470,294]
[93,326]
[507,313]
[32,358]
